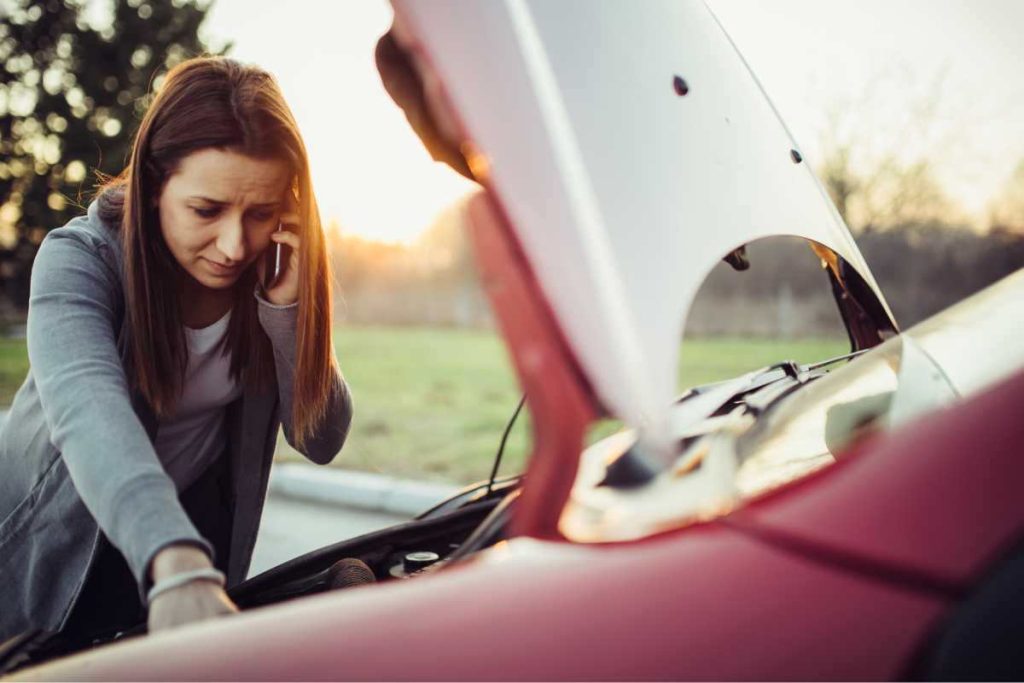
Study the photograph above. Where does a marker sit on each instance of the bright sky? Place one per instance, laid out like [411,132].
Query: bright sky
[874,59]
[370,171]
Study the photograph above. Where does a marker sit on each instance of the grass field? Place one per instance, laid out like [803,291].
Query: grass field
[13,366]
[432,403]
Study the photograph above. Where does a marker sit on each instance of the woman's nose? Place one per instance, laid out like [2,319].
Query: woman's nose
[230,241]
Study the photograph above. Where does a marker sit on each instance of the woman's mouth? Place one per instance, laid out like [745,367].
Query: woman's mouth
[222,270]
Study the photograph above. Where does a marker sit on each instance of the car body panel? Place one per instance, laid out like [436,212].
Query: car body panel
[977,341]
[559,400]
[939,499]
[710,603]
[570,102]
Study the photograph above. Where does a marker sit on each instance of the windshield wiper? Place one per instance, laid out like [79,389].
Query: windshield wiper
[830,361]
[757,391]
[769,394]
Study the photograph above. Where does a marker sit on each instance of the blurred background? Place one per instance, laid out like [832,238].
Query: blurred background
[910,111]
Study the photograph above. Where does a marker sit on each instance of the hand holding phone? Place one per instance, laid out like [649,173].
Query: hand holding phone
[272,261]
[279,269]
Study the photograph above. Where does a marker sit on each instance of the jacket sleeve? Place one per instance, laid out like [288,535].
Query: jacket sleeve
[279,322]
[86,401]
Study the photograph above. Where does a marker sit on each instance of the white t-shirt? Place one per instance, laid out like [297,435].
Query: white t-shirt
[190,440]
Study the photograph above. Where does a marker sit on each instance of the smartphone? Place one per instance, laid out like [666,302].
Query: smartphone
[272,261]
[278,254]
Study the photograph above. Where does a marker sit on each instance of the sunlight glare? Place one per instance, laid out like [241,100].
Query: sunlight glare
[370,172]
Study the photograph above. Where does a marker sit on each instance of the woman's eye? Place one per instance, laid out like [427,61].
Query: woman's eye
[262,215]
[205,212]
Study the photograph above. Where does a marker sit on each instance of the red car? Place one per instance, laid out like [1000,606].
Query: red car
[855,518]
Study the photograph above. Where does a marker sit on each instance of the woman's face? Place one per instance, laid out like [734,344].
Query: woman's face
[218,210]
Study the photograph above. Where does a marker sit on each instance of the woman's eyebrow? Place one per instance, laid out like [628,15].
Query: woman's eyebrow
[221,202]
[208,199]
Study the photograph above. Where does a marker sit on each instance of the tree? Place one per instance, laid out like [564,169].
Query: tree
[75,78]
[1007,212]
[880,148]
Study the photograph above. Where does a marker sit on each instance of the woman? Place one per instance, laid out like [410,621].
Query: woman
[165,352]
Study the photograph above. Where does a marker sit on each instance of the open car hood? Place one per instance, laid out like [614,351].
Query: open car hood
[630,148]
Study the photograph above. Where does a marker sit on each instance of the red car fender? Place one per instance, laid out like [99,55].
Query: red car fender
[935,503]
[703,603]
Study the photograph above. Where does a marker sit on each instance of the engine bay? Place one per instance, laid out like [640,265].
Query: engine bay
[447,534]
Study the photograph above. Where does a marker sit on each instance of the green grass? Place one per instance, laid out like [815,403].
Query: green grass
[432,403]
[429,403]
[13,366]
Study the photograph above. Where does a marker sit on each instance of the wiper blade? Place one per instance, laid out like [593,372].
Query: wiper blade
[771,393]
[757,390]
[830,361]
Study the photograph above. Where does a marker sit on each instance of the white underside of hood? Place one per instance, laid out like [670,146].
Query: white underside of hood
[623,193]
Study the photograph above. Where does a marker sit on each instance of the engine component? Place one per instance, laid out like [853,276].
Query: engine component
[414,562]
[348,572]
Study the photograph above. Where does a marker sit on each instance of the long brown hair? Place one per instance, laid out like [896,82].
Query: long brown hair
[214,102]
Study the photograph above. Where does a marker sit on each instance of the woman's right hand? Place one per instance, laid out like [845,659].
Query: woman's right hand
[193,601]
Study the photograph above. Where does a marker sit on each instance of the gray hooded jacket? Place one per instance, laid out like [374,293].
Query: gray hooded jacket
[76,452]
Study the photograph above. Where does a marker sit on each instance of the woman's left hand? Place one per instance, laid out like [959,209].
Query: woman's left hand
[284,290]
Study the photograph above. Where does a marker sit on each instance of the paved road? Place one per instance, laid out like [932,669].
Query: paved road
[291,527]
